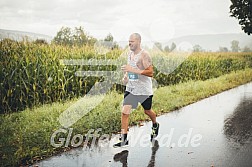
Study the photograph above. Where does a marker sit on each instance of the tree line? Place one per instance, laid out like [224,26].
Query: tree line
[197,48]
[78,37]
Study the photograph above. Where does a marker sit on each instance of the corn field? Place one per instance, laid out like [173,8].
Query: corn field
[32,75]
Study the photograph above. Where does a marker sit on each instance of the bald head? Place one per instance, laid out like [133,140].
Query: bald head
[135,42]
[137,36]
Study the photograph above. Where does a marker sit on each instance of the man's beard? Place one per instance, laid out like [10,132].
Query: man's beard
[133,48]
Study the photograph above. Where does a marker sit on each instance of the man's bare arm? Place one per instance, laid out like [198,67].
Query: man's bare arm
[148,68]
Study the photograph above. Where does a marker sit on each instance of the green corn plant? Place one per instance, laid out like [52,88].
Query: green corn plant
[31,74]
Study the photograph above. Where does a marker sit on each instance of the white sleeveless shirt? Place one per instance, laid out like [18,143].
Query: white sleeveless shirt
[138,84]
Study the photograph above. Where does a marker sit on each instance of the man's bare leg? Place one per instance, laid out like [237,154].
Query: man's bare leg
[125,119]
[155,125]
[152,115]
[124,125]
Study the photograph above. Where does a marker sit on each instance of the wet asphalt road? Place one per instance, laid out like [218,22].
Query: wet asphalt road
[216,131]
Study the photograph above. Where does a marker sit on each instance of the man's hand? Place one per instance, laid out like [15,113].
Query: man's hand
[127,68]
[125,79]
[147,72]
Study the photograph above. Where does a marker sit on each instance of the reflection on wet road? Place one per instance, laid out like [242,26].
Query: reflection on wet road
[238,126]
[216,131]
[122,157]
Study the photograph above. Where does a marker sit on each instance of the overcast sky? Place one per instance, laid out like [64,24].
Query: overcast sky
[158,20]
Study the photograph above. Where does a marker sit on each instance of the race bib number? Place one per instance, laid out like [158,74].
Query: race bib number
[133,76]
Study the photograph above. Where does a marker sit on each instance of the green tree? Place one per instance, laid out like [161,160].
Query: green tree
[40,42]
[235,46]
[109,42]
[242,10]
[167,48]
[173,46]
[109,38]
[63,36]
[91,41]
[223,49]
[246,49]
[159,45]
[79,37]
[197,48]
[76,37]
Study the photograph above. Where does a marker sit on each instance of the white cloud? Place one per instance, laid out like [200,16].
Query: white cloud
[157,20]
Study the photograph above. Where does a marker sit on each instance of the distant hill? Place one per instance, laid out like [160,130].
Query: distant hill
[20,35]
[213,42]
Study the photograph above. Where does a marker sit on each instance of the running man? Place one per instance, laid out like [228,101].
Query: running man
[138,73]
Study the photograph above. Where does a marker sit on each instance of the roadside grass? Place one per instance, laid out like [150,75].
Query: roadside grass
[25,136]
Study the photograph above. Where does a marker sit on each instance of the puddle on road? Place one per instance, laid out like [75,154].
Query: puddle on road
[238,127]
[214,131]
